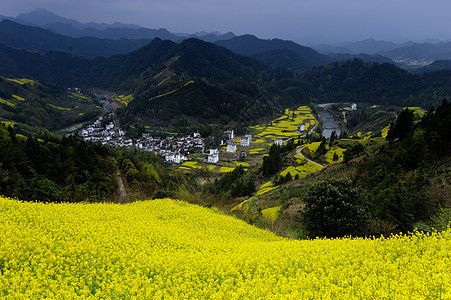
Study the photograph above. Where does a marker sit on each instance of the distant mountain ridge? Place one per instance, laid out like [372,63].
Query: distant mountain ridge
[424,51]
[42,40]
[437,65]
[410,54]
[43,17]
[73,28]
[368,46]
[275,52]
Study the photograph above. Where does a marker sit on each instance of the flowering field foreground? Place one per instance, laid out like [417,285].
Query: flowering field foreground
[173,250]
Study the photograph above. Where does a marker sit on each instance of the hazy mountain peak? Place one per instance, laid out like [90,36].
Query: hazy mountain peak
[41,17]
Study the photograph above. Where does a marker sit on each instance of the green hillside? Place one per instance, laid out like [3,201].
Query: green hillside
[34,104]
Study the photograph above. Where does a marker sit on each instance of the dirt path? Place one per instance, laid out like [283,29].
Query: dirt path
[120,183]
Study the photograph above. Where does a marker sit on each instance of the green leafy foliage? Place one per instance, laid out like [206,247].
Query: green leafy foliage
[334,209]
[403,126]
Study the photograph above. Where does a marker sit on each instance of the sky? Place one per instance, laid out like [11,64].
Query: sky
[305,21]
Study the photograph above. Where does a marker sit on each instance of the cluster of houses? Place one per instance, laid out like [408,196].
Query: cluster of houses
[231,145]
[174,149]
[107,134]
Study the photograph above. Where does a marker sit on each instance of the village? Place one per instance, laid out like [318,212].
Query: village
[174,149]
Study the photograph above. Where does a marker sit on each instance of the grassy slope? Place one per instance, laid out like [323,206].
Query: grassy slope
[171,249]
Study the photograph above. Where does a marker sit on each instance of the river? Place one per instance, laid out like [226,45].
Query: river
[329,123]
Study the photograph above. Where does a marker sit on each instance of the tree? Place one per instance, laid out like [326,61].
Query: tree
[334,209]
[403,126]
[354,151]
[333,137]
[335,157]
[343,135]
[272,162]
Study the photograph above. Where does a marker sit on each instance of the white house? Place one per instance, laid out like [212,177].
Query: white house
[278,142]
[301,127]
[213,151]
[231,147]
[249,136]
[175,158]
[230,134]
[213,156]
[245,141]
[354,106]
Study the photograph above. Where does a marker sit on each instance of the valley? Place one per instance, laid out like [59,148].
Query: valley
[139,163]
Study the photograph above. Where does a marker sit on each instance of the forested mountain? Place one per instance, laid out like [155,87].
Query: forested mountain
[437,65]
[371,46]
[370,58]
[165,77]
[425,51]
[354,80]
[368,46]
[42,40]
[275,52]
[151,71]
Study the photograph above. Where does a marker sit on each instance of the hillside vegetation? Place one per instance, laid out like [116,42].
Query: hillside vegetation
[170,249]
[36,105]
[386,185]
[51,169]
[238,90]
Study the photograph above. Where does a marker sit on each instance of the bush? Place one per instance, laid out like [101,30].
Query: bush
[334,209]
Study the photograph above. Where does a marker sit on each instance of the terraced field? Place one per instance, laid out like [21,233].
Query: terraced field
[286,126]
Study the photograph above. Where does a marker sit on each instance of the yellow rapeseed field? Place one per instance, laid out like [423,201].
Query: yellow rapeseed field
[167,249]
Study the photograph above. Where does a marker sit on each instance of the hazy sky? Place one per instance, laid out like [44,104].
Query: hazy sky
[299,20]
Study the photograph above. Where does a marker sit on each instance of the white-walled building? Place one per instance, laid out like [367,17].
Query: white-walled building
[231,147]
[213,156]
[175,158]
[230,134]
[278,142]
[354,106]
[245,141]
[301,127]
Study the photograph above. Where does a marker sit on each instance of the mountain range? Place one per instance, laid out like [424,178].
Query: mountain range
[196,82]
[273,52]
[73,28]
[409,55]
[368,50]
[241,80]
[42,40]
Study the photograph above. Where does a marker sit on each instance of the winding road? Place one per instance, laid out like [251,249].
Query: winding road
[299,151]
